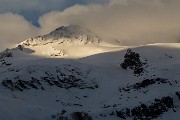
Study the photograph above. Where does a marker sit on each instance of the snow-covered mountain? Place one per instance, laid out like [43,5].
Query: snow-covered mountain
[71,34]
[67,41]
[70,74]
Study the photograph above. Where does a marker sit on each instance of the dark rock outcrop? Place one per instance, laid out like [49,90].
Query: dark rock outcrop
[132,61]
[73,116]
[66,78]
[81,116]
[145,83]
[5,54]
[21,85]
[145,112]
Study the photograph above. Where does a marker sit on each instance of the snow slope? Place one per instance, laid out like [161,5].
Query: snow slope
[59,77]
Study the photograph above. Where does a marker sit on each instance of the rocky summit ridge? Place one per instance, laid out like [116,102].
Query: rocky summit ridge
[65,34]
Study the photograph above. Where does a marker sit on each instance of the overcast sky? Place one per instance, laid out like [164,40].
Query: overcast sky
[131,22]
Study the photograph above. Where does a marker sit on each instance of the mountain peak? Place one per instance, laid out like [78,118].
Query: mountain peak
[65,34]
[64,41]
[73,33]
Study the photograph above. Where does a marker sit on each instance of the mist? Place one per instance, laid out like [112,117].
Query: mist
[124,22]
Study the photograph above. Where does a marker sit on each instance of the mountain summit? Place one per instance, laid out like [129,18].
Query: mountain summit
[66,41]
[73,32]
[65,34]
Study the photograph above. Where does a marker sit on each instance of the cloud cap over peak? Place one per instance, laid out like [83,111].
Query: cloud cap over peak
[130,22]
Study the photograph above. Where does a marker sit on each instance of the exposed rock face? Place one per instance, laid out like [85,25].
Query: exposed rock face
[21,85]
[65,77]
[74,116]
[145,112]
[81,116]
[132,61]
[5,54]
[145,83]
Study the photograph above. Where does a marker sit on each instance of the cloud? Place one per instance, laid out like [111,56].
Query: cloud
[131,22]
[35,5]
[14,28]
[32,9]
